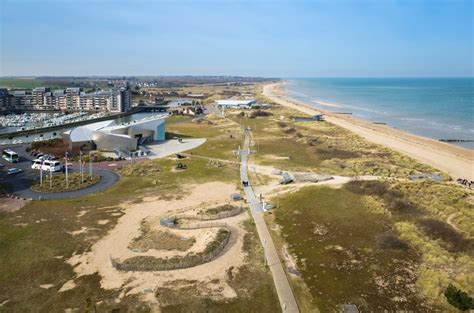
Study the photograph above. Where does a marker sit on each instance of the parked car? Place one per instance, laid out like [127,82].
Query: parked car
[14,170]
[2,165]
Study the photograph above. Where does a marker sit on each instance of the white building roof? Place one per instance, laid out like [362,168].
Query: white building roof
[234,102]
[84,133]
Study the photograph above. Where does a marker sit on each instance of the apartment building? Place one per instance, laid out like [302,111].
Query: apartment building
[70,99]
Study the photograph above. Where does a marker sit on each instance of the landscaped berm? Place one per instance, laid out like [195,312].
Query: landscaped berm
[58,182]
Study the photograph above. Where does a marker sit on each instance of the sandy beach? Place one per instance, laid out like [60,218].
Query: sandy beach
[458,162]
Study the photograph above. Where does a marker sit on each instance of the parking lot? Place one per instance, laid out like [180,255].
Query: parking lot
[20,180]
[19,184]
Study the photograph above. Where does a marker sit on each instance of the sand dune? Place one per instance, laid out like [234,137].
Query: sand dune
[456,161]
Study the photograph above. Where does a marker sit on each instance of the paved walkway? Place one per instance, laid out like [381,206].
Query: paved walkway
[170,147]
[23,182]
[285,294]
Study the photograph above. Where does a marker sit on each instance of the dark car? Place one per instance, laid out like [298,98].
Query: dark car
[14,170]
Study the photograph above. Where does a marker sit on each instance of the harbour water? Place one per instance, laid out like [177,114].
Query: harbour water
[438,108]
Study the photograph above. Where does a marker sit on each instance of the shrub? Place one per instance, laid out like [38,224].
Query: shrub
[312,142]
[458,298]
[390,240]
[259,113]
[368,187]
[331,153]
[281,124]
[435,229]
[290,130]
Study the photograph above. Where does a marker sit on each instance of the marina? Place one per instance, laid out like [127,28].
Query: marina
[55,131]
[28,121]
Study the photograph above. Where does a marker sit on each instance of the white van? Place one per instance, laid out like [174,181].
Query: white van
[48,165]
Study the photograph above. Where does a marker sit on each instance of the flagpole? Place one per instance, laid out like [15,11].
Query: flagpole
[90,165]
[41,174]
[67,180]
[81,168]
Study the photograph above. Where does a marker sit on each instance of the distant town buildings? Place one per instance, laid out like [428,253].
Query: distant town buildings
[69,99]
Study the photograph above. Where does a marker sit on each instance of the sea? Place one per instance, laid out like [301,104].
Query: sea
[437,108]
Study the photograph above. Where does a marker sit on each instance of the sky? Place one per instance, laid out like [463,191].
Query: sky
[358,38]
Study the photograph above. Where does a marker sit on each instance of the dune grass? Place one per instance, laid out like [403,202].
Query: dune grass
[323,147]
[347,263]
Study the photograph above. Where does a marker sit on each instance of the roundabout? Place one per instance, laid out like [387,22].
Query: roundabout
[21,186]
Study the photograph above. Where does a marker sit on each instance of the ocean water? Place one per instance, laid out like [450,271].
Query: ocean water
[438,108]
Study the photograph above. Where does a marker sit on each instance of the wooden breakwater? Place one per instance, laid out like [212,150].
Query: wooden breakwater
[456,140]
[73,124]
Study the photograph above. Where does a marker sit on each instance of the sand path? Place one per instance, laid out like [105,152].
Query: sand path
[456,161]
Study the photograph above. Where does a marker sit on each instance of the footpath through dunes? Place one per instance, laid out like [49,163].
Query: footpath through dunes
[282,286]
[458,162]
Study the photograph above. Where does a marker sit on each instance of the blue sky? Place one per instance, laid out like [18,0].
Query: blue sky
[257,38]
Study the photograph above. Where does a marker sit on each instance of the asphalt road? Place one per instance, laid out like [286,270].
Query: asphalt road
[19,184]
[282,286]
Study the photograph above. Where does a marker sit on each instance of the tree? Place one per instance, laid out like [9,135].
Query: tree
[458,298]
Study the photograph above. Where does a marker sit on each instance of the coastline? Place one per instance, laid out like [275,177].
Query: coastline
[458,162]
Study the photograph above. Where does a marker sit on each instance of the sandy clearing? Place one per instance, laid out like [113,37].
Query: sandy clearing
[456,161]
[67,286]
[102,222]
[78,232]
[116,242]
[81,213]
[4,302]
[12,204]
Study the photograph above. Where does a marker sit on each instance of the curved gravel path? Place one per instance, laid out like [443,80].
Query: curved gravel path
[22,185]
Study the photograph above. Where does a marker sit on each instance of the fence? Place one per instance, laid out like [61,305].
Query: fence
[154,264]
[217,216]
[199,225]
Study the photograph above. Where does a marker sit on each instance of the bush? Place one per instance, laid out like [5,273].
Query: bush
[368,187]
[394,200]
[391,241]
[259,113]
[435,229]
[331,153]
[290,130]
[458,298]
[281,124]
